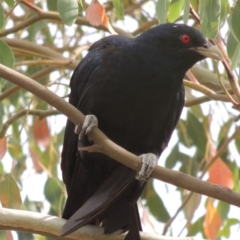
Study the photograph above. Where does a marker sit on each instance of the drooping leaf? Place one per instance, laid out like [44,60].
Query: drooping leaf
[118,5]
[155,203]
[10,3]
[235,21]
[213,222]
[191,132]
[36,160]
[210,17]
[162,10]
[186,11]
[223,209]
[175,10]
[9,193]
[2,20]
[52,5]
[191,206]
[225,9]
[224,130]
[196,227]
[96,14]
[6,55]
[68,10]
[41,131]
[53,196]
[233,49]
[220,174]
[225,231]
[3,147]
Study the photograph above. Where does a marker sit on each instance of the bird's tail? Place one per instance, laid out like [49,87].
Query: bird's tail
[113,204]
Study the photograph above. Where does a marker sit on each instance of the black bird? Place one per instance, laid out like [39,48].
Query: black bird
[135,89]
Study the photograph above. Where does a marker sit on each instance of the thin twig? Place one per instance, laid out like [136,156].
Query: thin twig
[208,92]
[15,117]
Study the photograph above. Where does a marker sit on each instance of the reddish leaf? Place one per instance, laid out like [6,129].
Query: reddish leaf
[219,173]
[41,131]
[9,235]
[212,222]
[10,194]
[3,147]
[96,15]
[36,160]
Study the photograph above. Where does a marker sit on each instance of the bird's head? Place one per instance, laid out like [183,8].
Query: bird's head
[183,44]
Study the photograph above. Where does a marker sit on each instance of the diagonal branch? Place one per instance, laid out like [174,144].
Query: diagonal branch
[116,152]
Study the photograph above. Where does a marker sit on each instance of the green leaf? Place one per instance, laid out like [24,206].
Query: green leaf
[118,5]
[233,49]
[2,20]
[172,157]
[52,192]
[9,193]
[10,3]
[6,55]
[196,132]
[162,10]
[225,231]
[68,10]
[224,130]
[210,17]
[235,23]
[52,5]
[225,9]
[155,203]
[196,227]
[223,209]
[175,10]
[186,11]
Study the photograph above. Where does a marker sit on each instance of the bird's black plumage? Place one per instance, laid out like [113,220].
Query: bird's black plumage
[134,87]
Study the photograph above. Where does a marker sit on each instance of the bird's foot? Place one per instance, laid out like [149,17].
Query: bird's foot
[90,122]
[149,162]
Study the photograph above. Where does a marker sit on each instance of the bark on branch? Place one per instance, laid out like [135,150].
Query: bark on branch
[108,147]
[50,226]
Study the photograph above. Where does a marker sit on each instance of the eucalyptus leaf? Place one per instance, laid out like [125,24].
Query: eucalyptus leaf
[118,5]
[68,10]
[162,10]
[175,10]
[210,17]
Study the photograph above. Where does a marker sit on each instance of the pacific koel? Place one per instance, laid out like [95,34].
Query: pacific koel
[135,89]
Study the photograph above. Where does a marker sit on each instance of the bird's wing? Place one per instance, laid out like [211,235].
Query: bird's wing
[79,82]
[79,182]
[174,114]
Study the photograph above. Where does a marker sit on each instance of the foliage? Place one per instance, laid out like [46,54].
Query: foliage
[35,42]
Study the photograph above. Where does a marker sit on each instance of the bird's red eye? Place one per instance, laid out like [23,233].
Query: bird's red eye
[185,39]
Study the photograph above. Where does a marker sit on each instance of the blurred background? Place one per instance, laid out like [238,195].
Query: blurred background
[46,39]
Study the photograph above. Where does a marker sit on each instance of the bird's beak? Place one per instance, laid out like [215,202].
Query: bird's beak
[210,51]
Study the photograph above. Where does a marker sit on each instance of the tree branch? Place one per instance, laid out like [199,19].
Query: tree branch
[35,112]
[116,152]
[50,226]
[48,15]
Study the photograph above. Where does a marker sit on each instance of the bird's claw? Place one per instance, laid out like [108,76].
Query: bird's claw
[149,162]
[90,122]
